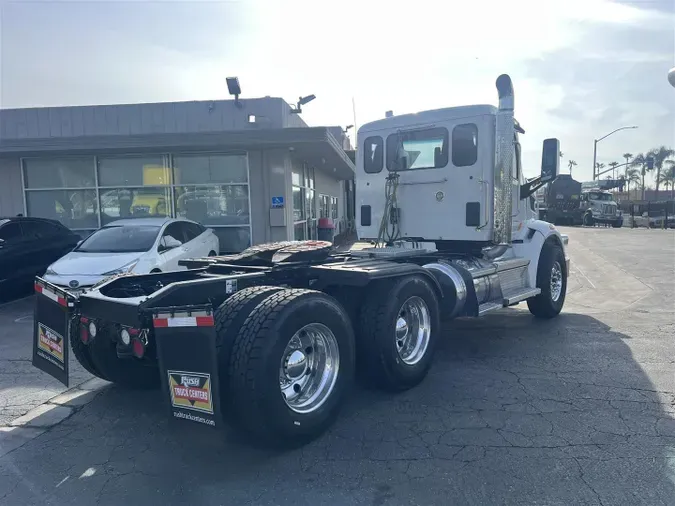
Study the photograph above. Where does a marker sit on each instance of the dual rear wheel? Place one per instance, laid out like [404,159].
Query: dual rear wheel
[291,354]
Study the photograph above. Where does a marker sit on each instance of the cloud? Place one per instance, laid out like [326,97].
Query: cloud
[614,75]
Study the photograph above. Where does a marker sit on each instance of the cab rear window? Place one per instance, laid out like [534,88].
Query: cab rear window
[425,148]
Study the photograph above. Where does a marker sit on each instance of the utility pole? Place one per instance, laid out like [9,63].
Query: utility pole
[595,145]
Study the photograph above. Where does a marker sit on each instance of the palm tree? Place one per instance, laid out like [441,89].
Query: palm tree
[660,155]
[632,176]
[598,166]
[628,157]
[640,160]
[570,164]
[613,166]
[667,177]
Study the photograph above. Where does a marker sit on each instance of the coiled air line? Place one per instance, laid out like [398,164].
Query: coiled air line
[390,207]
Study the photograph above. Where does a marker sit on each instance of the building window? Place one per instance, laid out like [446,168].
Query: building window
[418,149]
[464,145]
[143,202]
[62,189]
[213,189]
[152,170]
[328,207]
[87,192]
[304,204]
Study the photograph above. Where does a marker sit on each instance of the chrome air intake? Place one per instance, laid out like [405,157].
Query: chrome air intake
[503,180]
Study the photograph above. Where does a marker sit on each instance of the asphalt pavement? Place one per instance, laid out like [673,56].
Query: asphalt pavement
[576,410]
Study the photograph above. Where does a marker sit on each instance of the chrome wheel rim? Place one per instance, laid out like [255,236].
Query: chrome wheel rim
[556,281]
[413,330]
[309,368]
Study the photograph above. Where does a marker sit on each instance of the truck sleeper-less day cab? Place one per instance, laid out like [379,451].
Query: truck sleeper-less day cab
[270,339]
[598,206]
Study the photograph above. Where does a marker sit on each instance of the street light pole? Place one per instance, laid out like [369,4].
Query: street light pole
[595,144]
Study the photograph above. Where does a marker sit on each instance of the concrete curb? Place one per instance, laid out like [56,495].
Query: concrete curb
[42,418]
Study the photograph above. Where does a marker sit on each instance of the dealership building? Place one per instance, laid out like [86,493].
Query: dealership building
[251,169]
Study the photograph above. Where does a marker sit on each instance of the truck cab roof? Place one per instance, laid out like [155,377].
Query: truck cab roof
[426,117]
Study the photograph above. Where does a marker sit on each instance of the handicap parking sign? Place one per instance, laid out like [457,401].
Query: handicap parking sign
[277,202]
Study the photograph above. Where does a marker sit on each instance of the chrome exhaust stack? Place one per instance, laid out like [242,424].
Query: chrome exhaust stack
[503,170]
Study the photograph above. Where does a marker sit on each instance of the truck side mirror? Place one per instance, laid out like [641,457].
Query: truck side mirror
[550,160]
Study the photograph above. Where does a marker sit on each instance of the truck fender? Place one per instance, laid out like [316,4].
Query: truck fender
[535,236]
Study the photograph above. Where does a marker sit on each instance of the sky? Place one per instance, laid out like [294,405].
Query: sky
[580,68]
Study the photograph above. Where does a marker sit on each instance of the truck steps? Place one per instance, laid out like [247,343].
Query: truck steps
[520,295]
[509,299]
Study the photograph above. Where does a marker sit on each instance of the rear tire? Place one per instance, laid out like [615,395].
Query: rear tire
[130,373]
[552,280]
[81,351]
[229,318]
[260,354]
[387,322]
[617,224]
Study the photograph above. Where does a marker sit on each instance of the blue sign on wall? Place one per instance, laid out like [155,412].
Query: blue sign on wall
[277,202]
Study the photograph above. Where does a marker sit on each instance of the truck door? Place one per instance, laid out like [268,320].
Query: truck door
[444,191]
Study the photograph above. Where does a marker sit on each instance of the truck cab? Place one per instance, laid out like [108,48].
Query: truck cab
[599,206]
[448,177]
[452,177]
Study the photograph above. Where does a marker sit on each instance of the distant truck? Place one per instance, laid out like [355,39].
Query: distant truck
[598,205]
[566,201]
[560,203]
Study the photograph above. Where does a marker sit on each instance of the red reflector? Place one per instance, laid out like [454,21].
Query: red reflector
[137,348]
[133,332]
[84,335]
[84,319]
[160,322]
[204,321]
[38,288]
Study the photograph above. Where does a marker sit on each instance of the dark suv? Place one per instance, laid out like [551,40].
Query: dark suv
[28,246]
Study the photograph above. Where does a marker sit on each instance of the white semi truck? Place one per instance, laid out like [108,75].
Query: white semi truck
[270,339]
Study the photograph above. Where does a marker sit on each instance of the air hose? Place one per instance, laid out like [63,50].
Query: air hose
[390,216]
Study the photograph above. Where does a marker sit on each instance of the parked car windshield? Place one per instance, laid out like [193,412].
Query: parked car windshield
[120,239]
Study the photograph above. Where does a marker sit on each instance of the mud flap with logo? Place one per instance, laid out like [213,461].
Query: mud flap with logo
[50,335]
[186,350]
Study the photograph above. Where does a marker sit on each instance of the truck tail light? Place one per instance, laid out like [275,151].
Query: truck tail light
[84,330]
[126,335]
[137,348]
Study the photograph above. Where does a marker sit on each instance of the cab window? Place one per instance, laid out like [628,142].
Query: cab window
[373,155]
[464,145]
[418,149]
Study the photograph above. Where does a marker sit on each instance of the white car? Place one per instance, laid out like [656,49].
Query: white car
[137,246]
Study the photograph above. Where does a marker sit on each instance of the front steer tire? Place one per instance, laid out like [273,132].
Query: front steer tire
[379,359]
[546,304]
[255,397]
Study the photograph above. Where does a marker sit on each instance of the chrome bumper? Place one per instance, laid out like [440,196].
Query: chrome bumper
[565,238]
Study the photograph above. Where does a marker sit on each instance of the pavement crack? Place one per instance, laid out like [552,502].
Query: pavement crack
[583,478]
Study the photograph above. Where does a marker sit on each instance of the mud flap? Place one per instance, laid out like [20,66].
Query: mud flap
[50,335]
[187,354]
